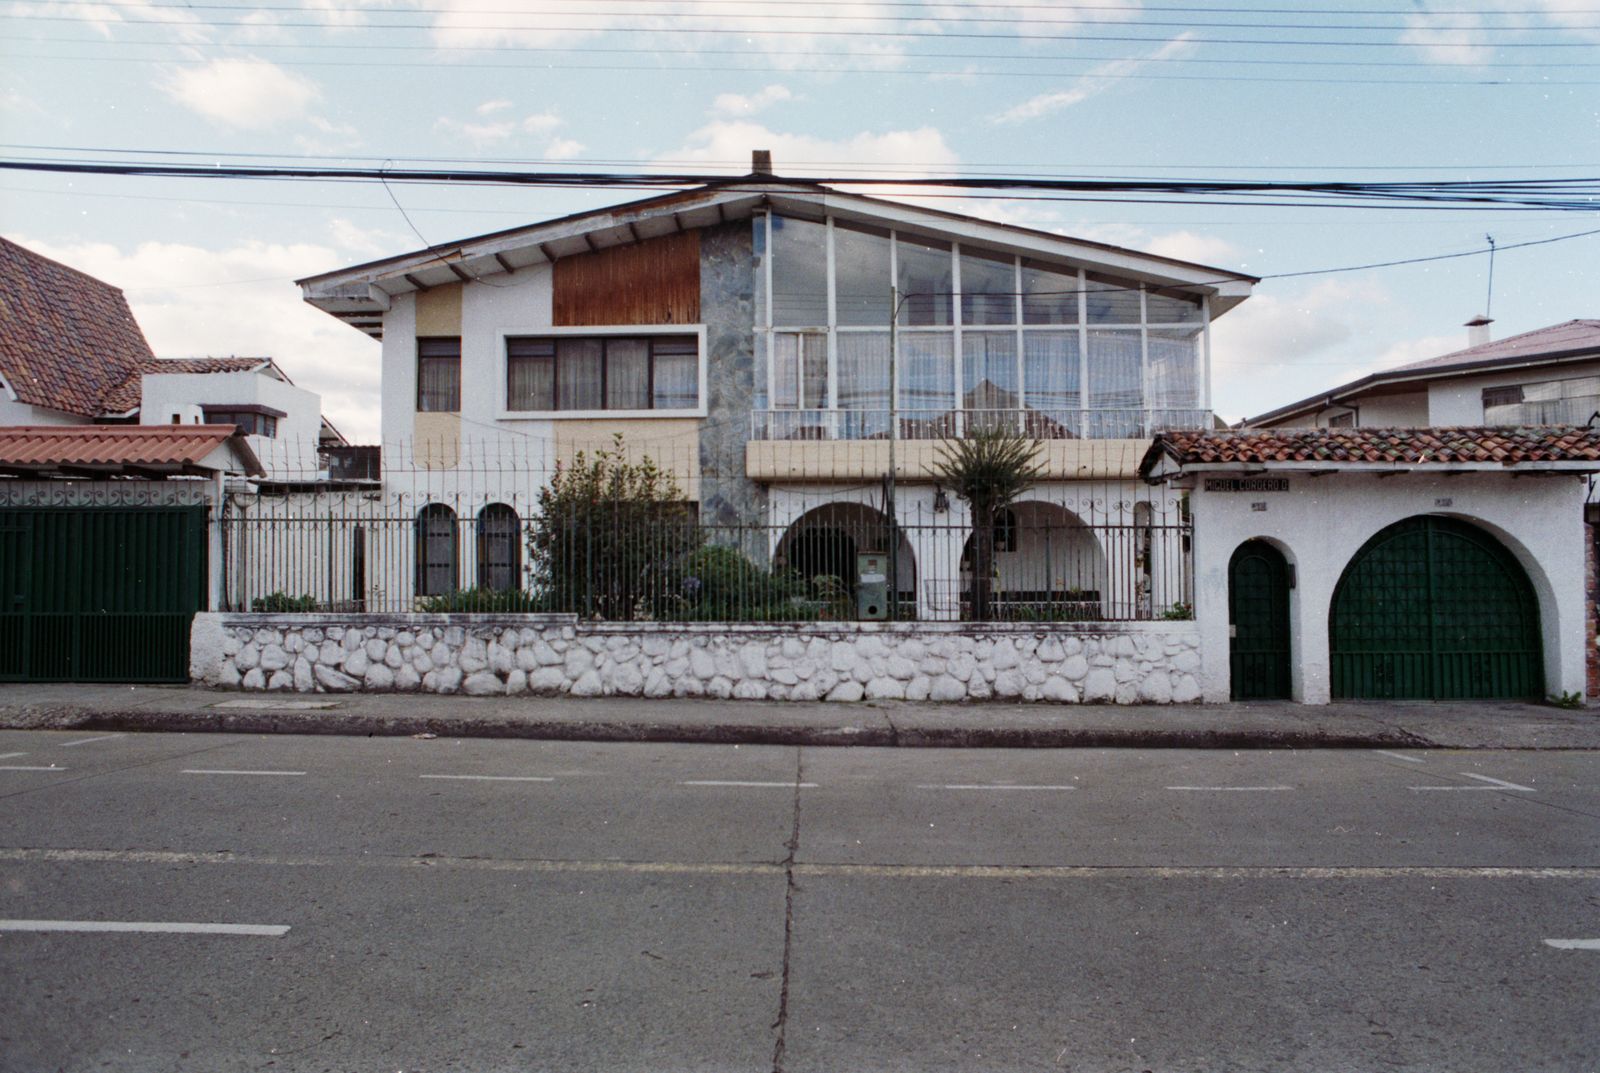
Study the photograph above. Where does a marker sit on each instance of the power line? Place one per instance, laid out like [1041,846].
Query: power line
[763,32]
[354,46]
[791,16]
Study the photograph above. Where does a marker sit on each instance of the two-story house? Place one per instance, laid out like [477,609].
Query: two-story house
[774,344]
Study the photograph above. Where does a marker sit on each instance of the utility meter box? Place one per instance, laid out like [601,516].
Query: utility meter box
[872,585]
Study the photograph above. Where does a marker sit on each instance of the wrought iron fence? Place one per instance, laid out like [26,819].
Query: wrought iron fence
[618,561]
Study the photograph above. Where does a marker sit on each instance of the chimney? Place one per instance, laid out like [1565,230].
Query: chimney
[1478,329]
[761,162]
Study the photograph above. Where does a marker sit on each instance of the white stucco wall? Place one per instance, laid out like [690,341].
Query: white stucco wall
[290,455]
[13,413]
[1323,521]
[1459,401]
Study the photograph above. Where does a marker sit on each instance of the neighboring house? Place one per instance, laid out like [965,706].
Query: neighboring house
[1549,376]
[740,334]
[71,353]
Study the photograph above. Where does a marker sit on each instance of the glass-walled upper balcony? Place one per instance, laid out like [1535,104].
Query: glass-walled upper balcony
[983,337]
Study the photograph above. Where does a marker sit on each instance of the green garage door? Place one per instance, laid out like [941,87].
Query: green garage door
[99,594]
[1433,608]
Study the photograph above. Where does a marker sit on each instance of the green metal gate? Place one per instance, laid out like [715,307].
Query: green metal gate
[1258,622]
[99,594]
[1433,608]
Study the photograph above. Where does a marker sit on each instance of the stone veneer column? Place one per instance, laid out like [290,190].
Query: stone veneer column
[727,307]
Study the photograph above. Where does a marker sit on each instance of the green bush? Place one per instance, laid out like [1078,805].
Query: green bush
[483,601]
[282,603]
[717,583]
[609,535]
[1179,612]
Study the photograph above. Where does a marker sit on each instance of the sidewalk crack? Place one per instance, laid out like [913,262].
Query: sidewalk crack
[781,1025]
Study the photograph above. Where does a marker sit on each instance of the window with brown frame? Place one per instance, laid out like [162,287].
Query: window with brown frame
[439,374]
[602,372]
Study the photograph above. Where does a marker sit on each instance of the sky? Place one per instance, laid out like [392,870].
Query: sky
[1376,91]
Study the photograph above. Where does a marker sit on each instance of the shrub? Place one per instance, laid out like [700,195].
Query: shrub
[1179,612]
[484,601]
[281,603]
[609,535]
[719,583]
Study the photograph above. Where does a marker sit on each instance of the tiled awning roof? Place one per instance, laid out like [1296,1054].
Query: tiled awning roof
[1383,448]
[136,450]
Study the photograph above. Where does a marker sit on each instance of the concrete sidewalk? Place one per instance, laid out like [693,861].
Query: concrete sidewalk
[1235,726]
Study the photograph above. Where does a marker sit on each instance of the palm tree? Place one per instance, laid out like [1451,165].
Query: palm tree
[989,469]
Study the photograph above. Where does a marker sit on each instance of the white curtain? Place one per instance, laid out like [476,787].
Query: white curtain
[627,374]
[578,380]
[1050,370]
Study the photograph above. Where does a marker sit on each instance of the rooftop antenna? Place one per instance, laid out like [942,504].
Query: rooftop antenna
[1488,300]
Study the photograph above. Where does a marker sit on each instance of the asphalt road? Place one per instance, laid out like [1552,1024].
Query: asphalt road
[362,904]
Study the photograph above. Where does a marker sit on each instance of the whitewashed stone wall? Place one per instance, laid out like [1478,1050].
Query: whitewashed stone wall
[1124,663]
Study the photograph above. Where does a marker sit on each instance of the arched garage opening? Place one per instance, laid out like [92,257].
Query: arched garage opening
[825,542]
[1435,609]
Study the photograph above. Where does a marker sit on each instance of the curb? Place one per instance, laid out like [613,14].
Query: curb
[353,724]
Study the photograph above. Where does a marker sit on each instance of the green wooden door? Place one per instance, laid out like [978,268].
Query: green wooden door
[99,594]
[1434,608]
[1258,622]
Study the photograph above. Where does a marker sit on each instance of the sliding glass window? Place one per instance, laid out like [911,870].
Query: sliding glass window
[616,372]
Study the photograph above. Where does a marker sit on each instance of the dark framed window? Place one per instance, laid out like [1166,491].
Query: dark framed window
[436,550]
[439,374]
[1344,420]
[609,372]
[252,421]
[1510,395]
[499,548]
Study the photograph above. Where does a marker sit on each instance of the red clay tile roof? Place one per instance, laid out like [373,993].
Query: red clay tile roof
[162,446]
[1400,446]
[66,338]
[126,395]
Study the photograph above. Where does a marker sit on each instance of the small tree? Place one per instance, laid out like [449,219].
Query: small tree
[989,469]
[608,534]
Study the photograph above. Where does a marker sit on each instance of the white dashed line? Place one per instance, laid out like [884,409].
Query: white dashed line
[987,786]
[159,926]
[88,741]
[25,767]
[235,771]
[11,756]
[1398,756]
[736,782]
[1574,944]
[494,778]
[1233,789]
[1495,784]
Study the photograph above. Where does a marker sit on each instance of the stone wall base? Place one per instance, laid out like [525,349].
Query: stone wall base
[553,655]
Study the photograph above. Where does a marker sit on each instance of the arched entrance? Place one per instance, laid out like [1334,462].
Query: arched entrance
[1435,608]
[1258,622]
[825,541]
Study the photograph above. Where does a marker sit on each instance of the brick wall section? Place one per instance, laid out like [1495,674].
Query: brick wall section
[1591,584]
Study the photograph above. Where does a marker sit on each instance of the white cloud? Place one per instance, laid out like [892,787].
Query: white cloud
[1463,39]
[739,105]
[249,94]
[1576,16]
[490,107]
[494,131]
[103,17]
[1097,81]
[725,145]
[541,123]
[1190,246]
[366,242]
[562,149]
[183,299]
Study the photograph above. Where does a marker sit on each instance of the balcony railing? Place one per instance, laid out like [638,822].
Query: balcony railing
[956,424]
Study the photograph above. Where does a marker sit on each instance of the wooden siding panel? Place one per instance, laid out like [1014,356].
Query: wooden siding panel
[652,282]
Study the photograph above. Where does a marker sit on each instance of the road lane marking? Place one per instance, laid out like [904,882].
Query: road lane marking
[88,741]
[757,868]
[494,778]
[1398,756]
[738,782]
[10,756]
[234,771]
[1574,944]
[1496,784]
[986,786]
[25,767]
[1233,789]
[148,926]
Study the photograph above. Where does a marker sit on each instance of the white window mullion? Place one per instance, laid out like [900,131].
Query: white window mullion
[833,324]
[766,314]
[1204,357]
[1016,313]
[894,317]
[1083,355]
[959,358]
[1144,359]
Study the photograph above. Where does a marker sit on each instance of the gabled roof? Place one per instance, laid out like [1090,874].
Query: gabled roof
[139,450]
[66,338]
[1384,449]
[359,295]
[1573,340]
[126,396]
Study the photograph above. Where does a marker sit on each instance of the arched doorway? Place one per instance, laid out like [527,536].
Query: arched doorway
[825,541]
[1435,608]
[1048,567]
[1258,622]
